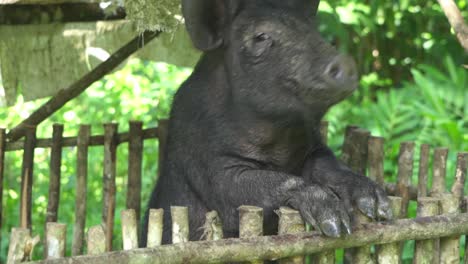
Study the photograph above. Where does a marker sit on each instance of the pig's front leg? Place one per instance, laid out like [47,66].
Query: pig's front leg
[356,191]
[270,190]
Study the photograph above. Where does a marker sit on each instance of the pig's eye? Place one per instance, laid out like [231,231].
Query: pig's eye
[261,43]
[259,37]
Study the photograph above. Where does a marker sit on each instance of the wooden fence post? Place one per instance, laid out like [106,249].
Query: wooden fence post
[405,172]
[449,246]
[439,172]
[96,240]
[135,157]
[180,224]
[423,169]
[458,187]
[425,250]
[290,222]
[56,240]
[391,253]
[376,160]
[129,229]
[2,172]
[251,223]
[155,227]
[81,189]
[27,177]
[108,208]
[213,227]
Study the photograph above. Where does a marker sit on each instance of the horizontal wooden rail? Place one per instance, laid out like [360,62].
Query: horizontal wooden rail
[97,140]
[276,247]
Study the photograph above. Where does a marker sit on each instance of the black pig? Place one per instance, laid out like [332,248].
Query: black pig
[244,128]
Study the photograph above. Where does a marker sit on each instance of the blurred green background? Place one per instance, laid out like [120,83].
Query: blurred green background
[414,87]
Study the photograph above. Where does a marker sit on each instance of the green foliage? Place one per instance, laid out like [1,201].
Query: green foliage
[139,91]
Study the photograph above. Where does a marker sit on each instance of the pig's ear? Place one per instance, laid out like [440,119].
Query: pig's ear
[204,20]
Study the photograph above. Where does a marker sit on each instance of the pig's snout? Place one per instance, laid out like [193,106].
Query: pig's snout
[341,72]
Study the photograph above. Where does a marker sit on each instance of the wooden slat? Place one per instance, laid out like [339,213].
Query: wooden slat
[290,222]
[458,187]
[155,227]
[27,177]
[439,172]
[376,159]
[355,149]
[129,229]
[423,170]
[2,174]
[251,223]
[56,240]
[108,209]
[55,174]
[135,157]
[426,250]
[405,172]
[97,140]
[81,189]
[180,224]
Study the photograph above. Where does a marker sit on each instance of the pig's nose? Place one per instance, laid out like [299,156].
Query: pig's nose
[342,70]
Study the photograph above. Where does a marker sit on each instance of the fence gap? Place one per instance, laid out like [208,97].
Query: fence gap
[108,208]
[129,229]
[180,224]
[81,189]
[27,177]
[56,240]
[423,170]
[135,157]
[155,227]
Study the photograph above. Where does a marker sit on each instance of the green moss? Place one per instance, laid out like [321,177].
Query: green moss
[154,14]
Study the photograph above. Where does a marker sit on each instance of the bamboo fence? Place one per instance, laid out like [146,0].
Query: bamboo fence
[441,219]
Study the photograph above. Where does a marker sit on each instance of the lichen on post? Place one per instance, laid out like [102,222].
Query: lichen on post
[151,15]
[290,222]
[251,223]
[390,253]
[426,250]
[56,240]
[213,228]
[96,240]
[450,246]
[155,227]
[180,224]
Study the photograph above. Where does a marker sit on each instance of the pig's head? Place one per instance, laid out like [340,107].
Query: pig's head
[275,60]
